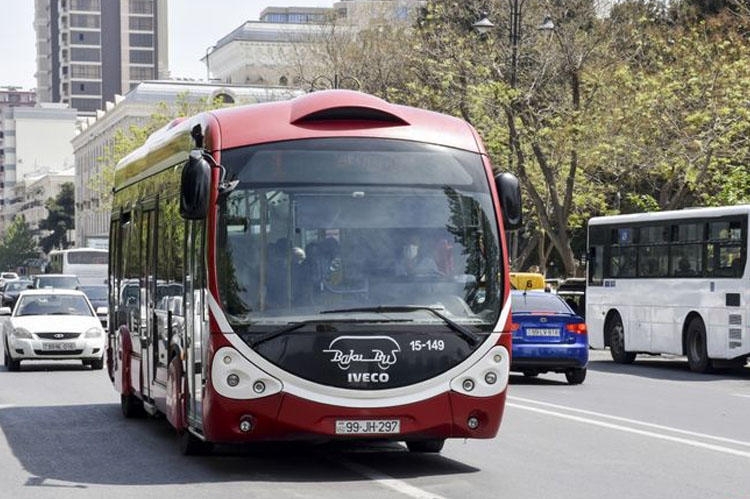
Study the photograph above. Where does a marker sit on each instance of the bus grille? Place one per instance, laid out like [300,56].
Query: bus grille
[735,338]
[735,320]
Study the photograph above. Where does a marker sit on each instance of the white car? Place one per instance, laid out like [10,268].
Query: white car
[52,324]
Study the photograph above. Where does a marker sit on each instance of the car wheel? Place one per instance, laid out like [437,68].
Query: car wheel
[97,364]
[132,406]
[575,376]
[433,446]
[10,364]
[190,445]
[616,335]
[697,353]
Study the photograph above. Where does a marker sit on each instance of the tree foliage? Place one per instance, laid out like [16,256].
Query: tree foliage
[60,219]
[127,139]
[17,246]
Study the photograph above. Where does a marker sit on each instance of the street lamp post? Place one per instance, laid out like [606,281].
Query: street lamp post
[483,26]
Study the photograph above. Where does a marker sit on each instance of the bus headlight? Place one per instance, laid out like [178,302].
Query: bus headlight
[235,377]
[487,377]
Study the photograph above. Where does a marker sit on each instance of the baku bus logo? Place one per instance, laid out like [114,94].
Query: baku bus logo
[349,350]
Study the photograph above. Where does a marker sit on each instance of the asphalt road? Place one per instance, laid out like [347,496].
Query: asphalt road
[653,429]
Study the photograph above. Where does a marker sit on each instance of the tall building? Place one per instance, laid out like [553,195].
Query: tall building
[88,51]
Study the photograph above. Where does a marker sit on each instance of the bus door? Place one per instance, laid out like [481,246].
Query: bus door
[196,325]
[148,327]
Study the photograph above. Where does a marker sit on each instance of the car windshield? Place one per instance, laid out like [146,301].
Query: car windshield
[65,282]
[322,224]
[95,292]
[16,285]
[52,305]
[538,303]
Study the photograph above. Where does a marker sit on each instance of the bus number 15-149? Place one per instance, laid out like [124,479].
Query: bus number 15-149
[432,345]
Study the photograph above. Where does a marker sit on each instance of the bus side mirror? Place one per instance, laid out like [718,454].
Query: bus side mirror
[195,187]
[509,191]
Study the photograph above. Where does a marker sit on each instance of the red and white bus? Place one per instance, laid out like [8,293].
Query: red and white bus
[257,281]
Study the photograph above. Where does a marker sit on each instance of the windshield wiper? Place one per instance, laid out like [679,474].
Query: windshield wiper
[292,326]
[467,334]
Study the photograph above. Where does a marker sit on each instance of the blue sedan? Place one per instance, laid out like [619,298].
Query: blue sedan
[548,336]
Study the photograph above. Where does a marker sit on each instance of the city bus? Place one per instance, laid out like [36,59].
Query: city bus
[671,282]
[253,283]
[89,264]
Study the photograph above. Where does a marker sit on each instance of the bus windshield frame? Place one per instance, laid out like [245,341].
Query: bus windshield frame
[321,224]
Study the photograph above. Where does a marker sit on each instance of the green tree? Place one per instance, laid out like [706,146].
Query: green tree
[60,218]
[127,139]
[18,245]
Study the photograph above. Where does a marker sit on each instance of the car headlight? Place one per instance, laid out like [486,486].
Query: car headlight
[22,334]
[94,332]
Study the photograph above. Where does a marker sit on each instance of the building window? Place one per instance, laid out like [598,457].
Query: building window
[85,21]
[141,23]
[141,57]
[85,55]
[141,73]
[141,40]
[141,7]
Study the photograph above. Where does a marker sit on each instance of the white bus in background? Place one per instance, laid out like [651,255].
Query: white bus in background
[672,282]
[89,264]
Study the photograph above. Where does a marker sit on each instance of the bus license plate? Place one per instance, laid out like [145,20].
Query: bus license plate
[542,332]
[58,347]
[367,426]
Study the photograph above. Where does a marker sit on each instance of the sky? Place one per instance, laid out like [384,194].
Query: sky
[192,29]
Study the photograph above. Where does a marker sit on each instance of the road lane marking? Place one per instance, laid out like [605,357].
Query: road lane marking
[388,481]
[627,429]
[636,422]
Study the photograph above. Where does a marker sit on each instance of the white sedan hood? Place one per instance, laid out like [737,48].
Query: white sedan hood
[56,323]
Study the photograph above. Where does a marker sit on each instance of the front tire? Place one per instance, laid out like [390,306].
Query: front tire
[575,376]
[697,352]
[616,335]
[190,445]
[10,364]
[432,446]
[132,406]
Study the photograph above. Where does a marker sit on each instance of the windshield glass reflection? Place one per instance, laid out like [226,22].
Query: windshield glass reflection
[317,225]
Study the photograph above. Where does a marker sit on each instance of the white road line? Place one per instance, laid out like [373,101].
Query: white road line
[387,481]
[635,421]
[685,441]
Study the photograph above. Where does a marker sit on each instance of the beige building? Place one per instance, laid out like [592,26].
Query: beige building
[36,141]
[287,45]
[33,193]
[96,135]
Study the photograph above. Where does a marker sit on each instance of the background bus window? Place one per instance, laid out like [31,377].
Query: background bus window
[622,258]
[724,251]
[653,251]
[686,255]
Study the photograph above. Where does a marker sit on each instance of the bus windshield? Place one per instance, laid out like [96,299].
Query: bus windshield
[336,224]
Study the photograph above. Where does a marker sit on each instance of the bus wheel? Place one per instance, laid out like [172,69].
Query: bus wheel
[190,445]
[697,353]
[425,445]
[575,376]
[616,335]
[132,406]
